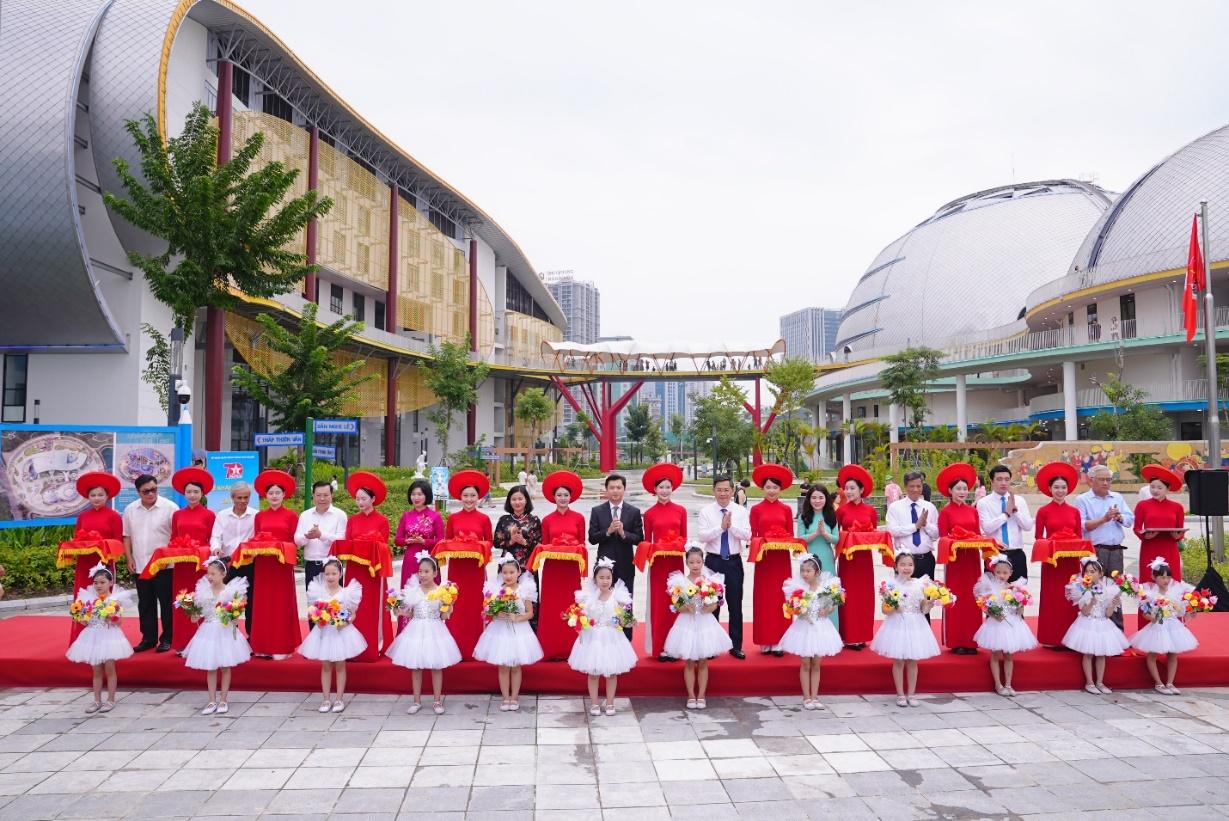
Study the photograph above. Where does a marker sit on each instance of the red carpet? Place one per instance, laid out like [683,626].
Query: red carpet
[32,655]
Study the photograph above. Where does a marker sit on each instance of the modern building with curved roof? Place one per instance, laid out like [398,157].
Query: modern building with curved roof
[402,250]
[1034,294]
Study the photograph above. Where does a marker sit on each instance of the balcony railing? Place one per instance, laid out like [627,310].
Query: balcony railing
[1189,390]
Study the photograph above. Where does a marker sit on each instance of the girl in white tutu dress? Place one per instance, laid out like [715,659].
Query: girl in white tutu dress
[508,641]
[905,635]
[602,649]
[218,644]
[696,635]
[102,642]
[333,638]
[1006,633]
[425,642]
[811,635]
[1092,634]
[1165,633]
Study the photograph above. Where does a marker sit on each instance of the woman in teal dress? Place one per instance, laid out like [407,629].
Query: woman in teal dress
[818,527]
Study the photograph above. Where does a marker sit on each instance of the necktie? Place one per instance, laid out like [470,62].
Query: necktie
[1003,530]
[614,513]
[917,534]
[725,539]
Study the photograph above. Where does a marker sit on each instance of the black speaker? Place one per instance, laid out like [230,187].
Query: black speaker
[1209,492]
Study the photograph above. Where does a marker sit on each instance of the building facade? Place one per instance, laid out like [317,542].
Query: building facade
[581,303]
[401,249]
[810,333]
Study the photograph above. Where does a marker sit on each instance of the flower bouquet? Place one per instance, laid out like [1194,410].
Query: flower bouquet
[505,601]
[681,596]
[1125,582]
[889,597]
[695,595]
[185,600]
[80,611]
[1159,607]
[833,592]
[797,603]
[1083,584]
[394,601]
[624,618]
[328,613]
[939,594]
[107,611]
[992,606]
[1200,601]
[576,618]
[446,594]
[230,612]
[1016,596]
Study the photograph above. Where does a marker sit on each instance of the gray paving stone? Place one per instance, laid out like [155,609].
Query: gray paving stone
[379,800]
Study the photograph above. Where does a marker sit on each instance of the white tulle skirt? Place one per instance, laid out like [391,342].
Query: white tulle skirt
[696,636]
[332,644]
[424,644]
[508,644]
[1095,637]
[215,646]
[812,638]
[905,636]
[1011,635]
[98,644]
[1170,636]
[602,651]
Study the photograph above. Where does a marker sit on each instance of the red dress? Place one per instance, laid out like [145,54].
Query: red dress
[558,580]
[961,620]
[1055,614]
[1151,513]
[372,618]
[275,612]
[768,621]
[109,525]
[857,575]
[659,521]
[197,524]
[469,575]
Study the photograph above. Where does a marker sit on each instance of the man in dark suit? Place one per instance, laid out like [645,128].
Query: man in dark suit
[617,529]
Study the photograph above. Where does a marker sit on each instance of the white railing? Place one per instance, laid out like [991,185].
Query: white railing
[1162,260]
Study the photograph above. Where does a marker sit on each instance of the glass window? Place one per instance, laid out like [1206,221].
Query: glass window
[15,365]
[336,296]
[360,308]
[379,315]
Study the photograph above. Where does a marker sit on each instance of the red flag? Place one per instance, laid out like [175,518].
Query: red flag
[1194,282]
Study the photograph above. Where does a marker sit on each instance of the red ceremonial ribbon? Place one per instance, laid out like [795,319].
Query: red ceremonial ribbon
[671,544]
[86,543]
[1064,544]
[564,547]
[861,536]
[368,549]
[180,550]
[264,544]
[961,538]
[775,539]
[462,546]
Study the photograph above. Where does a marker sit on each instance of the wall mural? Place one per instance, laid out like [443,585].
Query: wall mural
[1084,455]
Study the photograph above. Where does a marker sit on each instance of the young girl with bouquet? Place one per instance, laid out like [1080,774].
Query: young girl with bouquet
[333,638]
[100,608]
[1165,604]
[602,611]
[217,644]
[1092,634]
[696,635]
[508,641]
[809,599]
[905,636]
[1004,632]
[425,643]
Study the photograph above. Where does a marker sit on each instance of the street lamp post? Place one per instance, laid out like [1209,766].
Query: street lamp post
[714,440]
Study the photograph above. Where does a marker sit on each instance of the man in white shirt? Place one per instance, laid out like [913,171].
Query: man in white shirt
[232,527]
[724,529]
[1107,518]
[147,527]
[914,525]
[1004,517]
[318,528]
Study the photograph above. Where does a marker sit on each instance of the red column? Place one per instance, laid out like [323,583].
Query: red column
[392,322]
[313,184]
[471,415]
[391,457]
[215,319]
[608,453]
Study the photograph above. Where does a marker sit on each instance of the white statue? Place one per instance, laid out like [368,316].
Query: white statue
[420,466]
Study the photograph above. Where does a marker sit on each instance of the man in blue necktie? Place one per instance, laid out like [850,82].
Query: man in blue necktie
[724,529]
[1005,518]
[914,525]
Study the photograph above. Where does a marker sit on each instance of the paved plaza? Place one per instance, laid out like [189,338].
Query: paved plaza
[1043,755]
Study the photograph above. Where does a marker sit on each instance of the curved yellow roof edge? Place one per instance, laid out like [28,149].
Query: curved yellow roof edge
[1138,279]
[177,17]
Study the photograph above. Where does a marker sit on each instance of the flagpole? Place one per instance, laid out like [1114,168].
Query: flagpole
[1209,333]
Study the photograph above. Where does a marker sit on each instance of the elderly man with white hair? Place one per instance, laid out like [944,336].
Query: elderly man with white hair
[1107,517]
[232,527]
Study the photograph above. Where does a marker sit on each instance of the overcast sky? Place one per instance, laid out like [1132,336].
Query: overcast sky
[713,165]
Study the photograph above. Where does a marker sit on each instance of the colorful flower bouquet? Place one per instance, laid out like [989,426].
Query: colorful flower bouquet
[185,600]
[624,618]
[1016,596]
[394,601]
[1160,608]
[1200,601]
[80,611]
[695,595]
[833,592]
[797,603]
[328,613]
[446,594]
[505,601]
[1125,582]
[230,612]
[939,594]
[1084,584]
[992,606]
[889,597]
[576,618]
[107,611]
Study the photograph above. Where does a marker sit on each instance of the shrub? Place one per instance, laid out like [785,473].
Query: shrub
[28,555]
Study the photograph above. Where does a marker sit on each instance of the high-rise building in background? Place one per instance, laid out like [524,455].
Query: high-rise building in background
[581,302]
[809,333]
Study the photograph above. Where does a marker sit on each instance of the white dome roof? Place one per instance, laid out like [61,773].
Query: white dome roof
[971,265]
[1148,227]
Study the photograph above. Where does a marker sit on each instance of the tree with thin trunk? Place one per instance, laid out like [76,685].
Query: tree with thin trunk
[454,379]
[533,407]
[907,378]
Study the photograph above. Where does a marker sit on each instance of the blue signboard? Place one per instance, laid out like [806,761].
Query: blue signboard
[326,452]
[274,440]
[343,426]
[227,467]
[488,454]
[439,482]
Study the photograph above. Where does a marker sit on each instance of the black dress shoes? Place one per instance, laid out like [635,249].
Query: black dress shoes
[858,646]
[142,647]
[964,651]
[738,654]
[163,647]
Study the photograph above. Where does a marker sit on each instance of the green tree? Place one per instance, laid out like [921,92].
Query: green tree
[1131,419]
[312,383]
[157,371]
[533,407]
[224,226]
[678,429]
[722,413]
[454,379]
[907,377]
[789,382]
[636,425]
[654,442]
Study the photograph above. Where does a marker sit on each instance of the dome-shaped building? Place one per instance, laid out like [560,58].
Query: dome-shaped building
[982,254]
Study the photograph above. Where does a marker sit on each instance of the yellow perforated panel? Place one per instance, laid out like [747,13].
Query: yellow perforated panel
[354,233]
[284,143]
[525,335]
